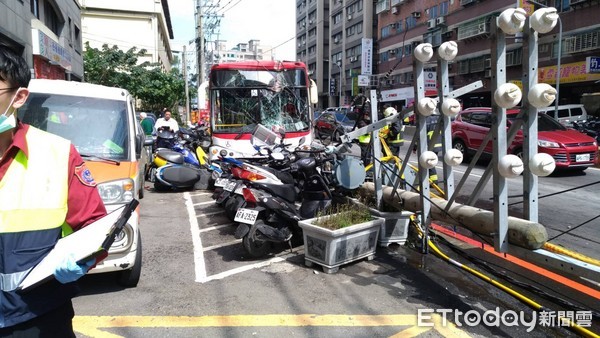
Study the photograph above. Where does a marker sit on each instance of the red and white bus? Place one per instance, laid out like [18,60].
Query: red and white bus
[243,95]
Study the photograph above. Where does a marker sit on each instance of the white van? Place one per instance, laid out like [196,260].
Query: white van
[566,114]
[101,122]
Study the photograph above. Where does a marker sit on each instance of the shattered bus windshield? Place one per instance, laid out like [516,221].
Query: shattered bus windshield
[242,99]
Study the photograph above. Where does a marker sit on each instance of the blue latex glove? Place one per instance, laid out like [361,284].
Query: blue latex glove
[69,271]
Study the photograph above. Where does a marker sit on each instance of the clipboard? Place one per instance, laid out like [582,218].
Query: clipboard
[90,242]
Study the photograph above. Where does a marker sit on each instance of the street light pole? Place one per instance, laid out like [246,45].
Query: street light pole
[340,85]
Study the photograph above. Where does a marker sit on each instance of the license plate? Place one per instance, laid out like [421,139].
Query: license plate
[247,216]
[230,186]
[221,182]
[582,158]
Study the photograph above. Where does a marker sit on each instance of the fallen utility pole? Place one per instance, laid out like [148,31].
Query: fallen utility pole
[523,233]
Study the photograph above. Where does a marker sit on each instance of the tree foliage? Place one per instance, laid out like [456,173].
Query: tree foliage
[146,81]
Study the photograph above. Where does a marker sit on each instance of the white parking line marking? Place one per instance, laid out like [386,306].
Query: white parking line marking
[200,266]
[241,269]
[198,193]
[216,227]
[208,248]
[210,213]
[201,203]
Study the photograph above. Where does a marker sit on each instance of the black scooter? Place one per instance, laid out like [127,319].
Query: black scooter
[270,214]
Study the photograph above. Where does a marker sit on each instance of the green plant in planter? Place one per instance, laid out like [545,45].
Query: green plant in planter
[343,215]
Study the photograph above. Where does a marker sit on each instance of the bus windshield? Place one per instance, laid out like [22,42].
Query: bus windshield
[242,99]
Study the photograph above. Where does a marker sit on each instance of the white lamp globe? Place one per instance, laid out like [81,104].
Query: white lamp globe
[542,164]
[544,19]
[453,157]
[541,95]
[507,95]
[512,20]
[423,52]
[448,50]
[427,106]
[510,166]
[428,159]
[450,107]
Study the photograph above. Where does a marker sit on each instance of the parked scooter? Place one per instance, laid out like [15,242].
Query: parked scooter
[183,166]
[269,215]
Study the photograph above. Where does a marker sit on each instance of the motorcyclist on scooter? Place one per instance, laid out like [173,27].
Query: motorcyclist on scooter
[166,127]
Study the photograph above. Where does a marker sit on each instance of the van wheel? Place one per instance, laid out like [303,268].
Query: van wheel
[129,278]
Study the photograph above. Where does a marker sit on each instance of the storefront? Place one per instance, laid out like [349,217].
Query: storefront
[576,79]
[50,59]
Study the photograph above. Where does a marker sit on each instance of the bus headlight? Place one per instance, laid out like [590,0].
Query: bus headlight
[117,192]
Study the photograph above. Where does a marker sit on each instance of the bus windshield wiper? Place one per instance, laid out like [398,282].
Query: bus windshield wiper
[94,157]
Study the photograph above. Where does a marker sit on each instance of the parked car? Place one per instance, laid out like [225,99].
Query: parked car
[101,123]
[569,148]
[566,114]
[330,125]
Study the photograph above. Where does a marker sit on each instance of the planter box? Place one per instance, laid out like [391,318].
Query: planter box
[394,228]
[333,248]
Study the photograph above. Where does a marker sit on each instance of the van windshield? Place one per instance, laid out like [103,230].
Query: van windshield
[97,127]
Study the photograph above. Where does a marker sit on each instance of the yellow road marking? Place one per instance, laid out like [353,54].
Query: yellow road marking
[91,326]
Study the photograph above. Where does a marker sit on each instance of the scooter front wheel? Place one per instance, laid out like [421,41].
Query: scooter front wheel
[255,247]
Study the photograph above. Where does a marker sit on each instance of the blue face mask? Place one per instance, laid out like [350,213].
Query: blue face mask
[8,120]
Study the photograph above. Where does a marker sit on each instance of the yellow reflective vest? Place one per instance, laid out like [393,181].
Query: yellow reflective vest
[33,210]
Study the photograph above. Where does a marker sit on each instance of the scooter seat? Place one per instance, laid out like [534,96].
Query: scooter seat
[284,176]
[170,156]
[285,191]
[180,176]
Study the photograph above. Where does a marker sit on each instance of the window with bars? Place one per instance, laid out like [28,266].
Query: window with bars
[473,28]
[514,57]
[477,64]
[463,67]
[581,42]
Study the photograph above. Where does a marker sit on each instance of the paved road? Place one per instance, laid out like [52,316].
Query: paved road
[196,282]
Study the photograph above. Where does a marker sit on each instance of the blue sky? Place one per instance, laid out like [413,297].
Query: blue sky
[273,22]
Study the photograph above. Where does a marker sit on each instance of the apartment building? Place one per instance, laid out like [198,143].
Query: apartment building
[47,33]
[243,51]
[400,25]
[144,24]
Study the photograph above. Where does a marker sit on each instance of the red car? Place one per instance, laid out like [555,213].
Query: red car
[569,148]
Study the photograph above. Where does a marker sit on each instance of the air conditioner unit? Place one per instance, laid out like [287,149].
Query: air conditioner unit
[466,2]
[349,17]
[336,39]
[353,58]
[393,25]
[304,24]
[487,73]
[310,22]
[416,14]
[431,23]
[481,28]
[392,51]
[488,63]
[390,82]
[395,10]
[440,20]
